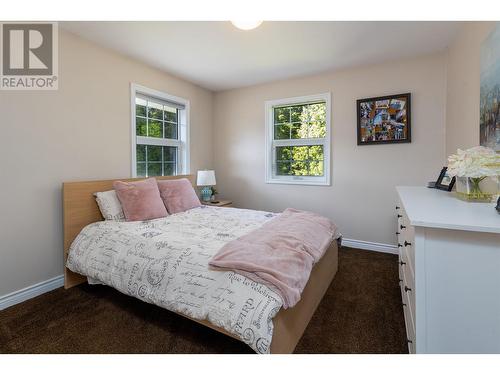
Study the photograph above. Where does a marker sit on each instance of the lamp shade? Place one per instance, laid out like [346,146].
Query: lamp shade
[205,178]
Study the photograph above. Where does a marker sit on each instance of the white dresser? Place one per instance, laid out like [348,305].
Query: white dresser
[449,271]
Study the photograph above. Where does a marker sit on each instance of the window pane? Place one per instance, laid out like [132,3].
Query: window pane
[155,110]
[170,130]
[296,113]
[307,121]
[170,114]
[315,152]
[141,169]
[317,129]
[154,169]
[299,131]
[315,112]
[283,168]
[154,153]
[300,160]
[282,131]
[155,129]
[170,154]
[140,107]
[158,158]
[140,125]
[300,168]
[283,153]
[281,115]
[169,169]
[316,168]
[300,153]
[141,153]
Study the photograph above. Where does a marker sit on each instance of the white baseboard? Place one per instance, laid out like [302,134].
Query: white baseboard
[31,292]
[373,246]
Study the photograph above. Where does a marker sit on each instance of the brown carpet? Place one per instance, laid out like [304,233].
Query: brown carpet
[360,313]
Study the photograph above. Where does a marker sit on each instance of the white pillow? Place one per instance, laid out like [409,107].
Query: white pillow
[110,206]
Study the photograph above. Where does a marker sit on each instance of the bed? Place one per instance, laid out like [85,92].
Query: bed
[80,210]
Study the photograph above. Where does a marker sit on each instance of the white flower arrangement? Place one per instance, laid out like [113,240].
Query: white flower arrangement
[475,162]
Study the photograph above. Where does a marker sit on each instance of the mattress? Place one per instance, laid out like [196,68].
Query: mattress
[165,262]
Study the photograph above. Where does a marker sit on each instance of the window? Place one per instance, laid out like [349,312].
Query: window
[159,133]
[298,140]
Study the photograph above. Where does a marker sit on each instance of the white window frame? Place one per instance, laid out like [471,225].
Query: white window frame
[182,143]
[271,143]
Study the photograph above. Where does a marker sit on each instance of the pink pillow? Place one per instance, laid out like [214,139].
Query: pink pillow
[140,199]
[178,195]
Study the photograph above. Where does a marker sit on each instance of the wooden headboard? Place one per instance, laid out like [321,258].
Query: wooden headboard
[80,209]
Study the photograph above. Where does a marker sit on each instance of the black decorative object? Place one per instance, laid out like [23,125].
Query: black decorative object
[444,181]
[384,119]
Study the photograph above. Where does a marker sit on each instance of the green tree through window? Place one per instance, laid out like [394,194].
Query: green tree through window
[300,122]
[155,119]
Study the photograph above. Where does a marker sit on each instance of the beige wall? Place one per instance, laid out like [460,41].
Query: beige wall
[462,98]
[81,131]
[362,197]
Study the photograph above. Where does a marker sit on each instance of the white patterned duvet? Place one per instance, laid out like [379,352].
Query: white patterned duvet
[165,262]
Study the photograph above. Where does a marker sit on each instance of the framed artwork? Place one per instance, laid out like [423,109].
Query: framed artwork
[444,181]
[489,108]
[384,119]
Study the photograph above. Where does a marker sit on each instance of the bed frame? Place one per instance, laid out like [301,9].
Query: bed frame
[80,209]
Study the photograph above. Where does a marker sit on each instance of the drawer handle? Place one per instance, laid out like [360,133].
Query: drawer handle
[399,245]
[407,243]
[407,289]
[402,226]
[402,263]
[404,304]
[409,341]
[397,233]
[397,207]
[400,280]
[400,216]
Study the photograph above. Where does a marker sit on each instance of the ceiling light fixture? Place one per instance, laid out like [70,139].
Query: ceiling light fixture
[246,24]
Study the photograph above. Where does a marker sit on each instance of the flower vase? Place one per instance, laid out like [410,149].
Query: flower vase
[473,189]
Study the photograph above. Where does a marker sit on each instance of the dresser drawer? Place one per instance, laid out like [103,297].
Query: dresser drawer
[408,255]
[408,242]
[409,314]
[408,289]
[399,232]
[402,220]
[405,235]
[410,332]
[404,263]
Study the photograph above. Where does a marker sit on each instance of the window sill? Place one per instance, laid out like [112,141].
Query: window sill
[298,182]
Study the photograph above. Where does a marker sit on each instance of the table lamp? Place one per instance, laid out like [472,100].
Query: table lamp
[206,179]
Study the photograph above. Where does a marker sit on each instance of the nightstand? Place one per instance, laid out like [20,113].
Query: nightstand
[220,203]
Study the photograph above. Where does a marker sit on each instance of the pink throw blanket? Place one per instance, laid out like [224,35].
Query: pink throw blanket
[281,253]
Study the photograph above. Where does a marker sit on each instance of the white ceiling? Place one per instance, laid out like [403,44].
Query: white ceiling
[217,56]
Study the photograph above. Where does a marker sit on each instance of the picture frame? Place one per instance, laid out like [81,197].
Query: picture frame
[489,95]
[444,181]
[384,119]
